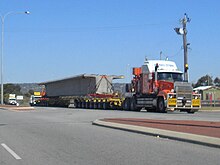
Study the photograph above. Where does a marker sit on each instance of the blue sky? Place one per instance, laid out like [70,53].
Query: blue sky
[62,38]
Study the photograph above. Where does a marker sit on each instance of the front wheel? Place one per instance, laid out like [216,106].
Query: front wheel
[160,105]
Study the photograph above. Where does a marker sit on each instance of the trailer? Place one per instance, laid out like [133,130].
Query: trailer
[82,91]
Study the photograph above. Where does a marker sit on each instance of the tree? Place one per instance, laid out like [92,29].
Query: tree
[204,81]
[29,93]
[11,89]
[217,81]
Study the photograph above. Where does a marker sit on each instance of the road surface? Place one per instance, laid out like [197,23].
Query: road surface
[64,136]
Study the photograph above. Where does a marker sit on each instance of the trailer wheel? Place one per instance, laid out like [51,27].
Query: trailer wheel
[105,105]
[99,105]
[77,104]
[86,105]
[83,104]
[91,105]
[160,105]
[95,105]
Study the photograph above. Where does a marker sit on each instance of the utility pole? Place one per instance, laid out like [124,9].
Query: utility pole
[183,31]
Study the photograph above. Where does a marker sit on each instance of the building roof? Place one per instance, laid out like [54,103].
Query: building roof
[202,88]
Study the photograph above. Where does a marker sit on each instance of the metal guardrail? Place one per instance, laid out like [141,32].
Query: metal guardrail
[211,103]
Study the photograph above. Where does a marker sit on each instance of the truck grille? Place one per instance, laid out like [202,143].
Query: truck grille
[183,92]
[183,89]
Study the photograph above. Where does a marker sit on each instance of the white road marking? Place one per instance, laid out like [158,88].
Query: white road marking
[11,151]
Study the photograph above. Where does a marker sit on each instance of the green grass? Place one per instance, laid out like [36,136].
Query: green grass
[210,108]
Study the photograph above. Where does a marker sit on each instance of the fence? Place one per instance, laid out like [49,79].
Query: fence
[211,103]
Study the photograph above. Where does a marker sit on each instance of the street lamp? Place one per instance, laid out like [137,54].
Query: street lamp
[2,46]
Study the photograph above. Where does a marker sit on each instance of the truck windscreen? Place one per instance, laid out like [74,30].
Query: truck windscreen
[170,76]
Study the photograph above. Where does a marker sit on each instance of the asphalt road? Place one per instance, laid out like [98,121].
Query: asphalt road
[59,136]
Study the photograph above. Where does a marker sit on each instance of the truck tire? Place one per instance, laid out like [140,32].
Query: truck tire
[76,102]
[83,104]
[127,104]
[95,105]
[105,105]
[91,105]
[86,105]
[80,104]
[160,105]
[99,105]
[133,105]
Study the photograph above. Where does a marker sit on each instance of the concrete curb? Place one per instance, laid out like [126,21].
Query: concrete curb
[186,137]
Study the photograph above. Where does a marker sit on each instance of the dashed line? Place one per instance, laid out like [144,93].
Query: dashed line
[11,151]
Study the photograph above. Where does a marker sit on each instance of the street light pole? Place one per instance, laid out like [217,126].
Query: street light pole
[2,48]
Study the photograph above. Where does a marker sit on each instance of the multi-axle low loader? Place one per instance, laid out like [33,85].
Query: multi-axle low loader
[82,91]
[156,86]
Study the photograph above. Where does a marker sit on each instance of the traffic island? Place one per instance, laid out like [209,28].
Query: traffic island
[199,132]
[16,108]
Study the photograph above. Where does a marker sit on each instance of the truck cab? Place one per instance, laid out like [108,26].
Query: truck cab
[12,101]
[158,85]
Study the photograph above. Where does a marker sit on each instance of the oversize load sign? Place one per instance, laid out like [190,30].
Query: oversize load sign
[172,102]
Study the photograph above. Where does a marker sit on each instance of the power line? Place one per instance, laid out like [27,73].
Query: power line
[84,28]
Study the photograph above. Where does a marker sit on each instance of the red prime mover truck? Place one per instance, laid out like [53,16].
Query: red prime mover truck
[158,86]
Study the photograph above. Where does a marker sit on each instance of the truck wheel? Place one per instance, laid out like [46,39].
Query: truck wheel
[105,105]
[91,105]
[99,105]
[76,104]
[95,105]
[126,104]
[86,105]
[83,104]
[80,104]
[133,105]
[160,105]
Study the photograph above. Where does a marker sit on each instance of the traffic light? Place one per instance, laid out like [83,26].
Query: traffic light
[186,67]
